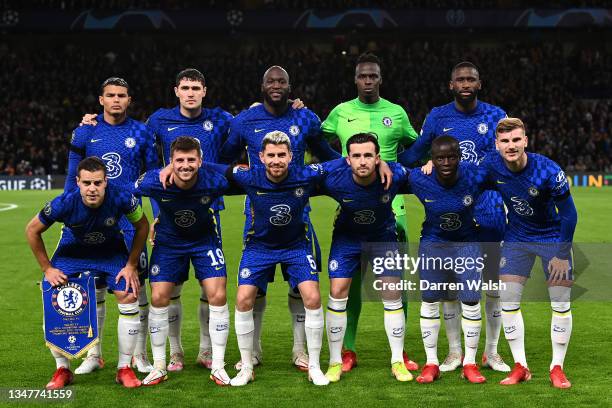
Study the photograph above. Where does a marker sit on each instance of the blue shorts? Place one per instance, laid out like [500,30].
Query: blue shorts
[104,263]
[491,226]
[466,274]
[346,253]
[171,264]
[311,236]
[518,258]
[258,263]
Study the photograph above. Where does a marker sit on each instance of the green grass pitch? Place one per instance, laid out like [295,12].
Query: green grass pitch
[26,363]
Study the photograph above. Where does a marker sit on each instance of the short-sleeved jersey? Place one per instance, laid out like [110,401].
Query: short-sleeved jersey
[529,195]
[127,149]
[475,132]
[449,211]
[210,129]
[92,227]
[388,120]
[185,216]
[277,208]
[250,126]
[364,211]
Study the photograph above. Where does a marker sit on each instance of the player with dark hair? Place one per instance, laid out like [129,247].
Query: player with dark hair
[449,195]
[127,148]
[92,240]
[365,215]
[247,131]
[472,122]
[369,112]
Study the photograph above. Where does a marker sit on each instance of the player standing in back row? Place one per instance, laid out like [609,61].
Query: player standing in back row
[472,123]
[369,113]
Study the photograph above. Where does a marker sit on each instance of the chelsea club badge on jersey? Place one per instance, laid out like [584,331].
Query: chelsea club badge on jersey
[70,318]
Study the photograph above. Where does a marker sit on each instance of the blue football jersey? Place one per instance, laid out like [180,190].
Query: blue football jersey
[475,132]
[530,196]
[210,129]
[365,211]
[250,126]
[449,211]
[277,209]
[185,215]
[91,227]
[127,150]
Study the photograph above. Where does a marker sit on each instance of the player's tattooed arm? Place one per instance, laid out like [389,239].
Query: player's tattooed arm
[34,231]
[89,119]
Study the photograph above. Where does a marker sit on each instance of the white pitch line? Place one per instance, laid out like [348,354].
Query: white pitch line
[8,206]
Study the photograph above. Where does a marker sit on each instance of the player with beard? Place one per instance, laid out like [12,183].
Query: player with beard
[247,130]
[472,122]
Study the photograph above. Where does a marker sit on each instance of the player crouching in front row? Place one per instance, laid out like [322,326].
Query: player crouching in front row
[92,241]
[449,195]
[541,222]
[186,232]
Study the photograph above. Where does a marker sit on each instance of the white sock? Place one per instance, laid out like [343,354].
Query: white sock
[471,323]
[143,305]
[128,326]
[561,323]
[493,321]
[430,328]
[336,327]
[314,335]
[158,328]
[395,326]
[175,318]
[512,319]
[245,327]
[204,316]
[258,313]
[101,312]
[298,318]
[452,313]
[60,360]
[219,322]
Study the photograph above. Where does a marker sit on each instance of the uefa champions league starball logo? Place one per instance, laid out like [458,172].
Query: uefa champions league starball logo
[71,339]
[70,299]
[207,125]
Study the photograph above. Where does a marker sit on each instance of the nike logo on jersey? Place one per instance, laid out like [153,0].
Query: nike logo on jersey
[95,140]
[350,120]
[165,200]
[427,200]
[346,200]
[258,130]
[218,268]
[170,129]
[261,193]
[501,182]
[446,129]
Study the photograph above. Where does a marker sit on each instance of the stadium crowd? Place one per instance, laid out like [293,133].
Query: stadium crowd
[562,92]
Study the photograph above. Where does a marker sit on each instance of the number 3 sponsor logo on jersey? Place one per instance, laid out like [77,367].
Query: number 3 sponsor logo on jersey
[468,151]
[184,218]
[113,166]
[282,215]
[521,206]
[451,222]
